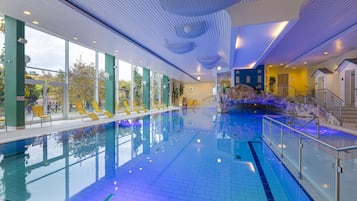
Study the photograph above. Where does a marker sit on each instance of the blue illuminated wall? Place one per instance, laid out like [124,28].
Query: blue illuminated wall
[251,77]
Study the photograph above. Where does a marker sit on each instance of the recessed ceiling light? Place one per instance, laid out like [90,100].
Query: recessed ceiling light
[219,68]
[198,78]
[94,41]
[281,26]
[270,66]
[305,62]
[75,38]
[116,51]
[237,42]
[325,53]
[252,64]
[294,67]
[35,22]
[26,12]
[281,64]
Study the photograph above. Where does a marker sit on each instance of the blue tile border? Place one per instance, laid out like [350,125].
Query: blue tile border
[262,176]
[288,171]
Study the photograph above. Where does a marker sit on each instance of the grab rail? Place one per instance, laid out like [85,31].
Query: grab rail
[277,139]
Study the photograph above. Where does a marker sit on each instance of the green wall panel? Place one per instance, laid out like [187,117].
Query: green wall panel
[15,73]
[166,90]
[146,88]
[110,83]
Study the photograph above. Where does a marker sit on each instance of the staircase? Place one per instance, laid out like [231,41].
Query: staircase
[349,117]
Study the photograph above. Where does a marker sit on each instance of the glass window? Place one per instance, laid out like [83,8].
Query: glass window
[45,51]
[44,72]
[81,76]
[138,86]
[259,79]
[237,79]
[155,88]
[101,80]
[124,83]
[247,79]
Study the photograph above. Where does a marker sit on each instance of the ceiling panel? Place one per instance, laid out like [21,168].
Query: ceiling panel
[137,31]
[319,21]
[151,26]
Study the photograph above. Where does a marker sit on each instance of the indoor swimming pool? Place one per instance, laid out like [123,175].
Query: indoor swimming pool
[189,154]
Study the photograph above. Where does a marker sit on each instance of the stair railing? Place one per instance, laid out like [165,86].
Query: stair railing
[329,100]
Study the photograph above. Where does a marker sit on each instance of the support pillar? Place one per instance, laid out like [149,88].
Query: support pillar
[15,73]
[165,92]
[146,88]
[110,83]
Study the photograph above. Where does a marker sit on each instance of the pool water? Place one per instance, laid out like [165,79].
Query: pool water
[190,154]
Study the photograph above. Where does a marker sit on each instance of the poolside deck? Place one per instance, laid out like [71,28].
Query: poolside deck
[35,130]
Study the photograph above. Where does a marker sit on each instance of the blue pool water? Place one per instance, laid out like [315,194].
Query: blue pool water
[192,154]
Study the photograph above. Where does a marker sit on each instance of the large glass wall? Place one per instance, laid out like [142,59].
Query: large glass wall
[155,89]
[82,77]
[45,77]
[44,72]
[101,80]
[124,92]
[138,86]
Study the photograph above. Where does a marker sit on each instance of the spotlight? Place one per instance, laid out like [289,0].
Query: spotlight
[22,40]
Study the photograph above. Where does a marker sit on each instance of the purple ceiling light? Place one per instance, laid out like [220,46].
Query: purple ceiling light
[191,30]
[180,48]
[209,62]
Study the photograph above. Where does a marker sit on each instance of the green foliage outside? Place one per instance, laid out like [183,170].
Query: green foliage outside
[138,88]
[124,92]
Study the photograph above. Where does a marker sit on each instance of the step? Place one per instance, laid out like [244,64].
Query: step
[350,125]
[349,121]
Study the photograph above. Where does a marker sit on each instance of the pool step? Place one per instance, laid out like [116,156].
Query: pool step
[349,117]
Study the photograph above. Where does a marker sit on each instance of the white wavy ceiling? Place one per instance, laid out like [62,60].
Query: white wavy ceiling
[151,26]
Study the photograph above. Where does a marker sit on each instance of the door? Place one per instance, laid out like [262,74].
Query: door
[49,95]
[353,88]
[283,83]
[349,87]
[320,91]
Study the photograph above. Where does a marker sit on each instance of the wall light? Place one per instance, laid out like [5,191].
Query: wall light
[219,68]
[198,78]
[106,76]
[144,82]
[22,40]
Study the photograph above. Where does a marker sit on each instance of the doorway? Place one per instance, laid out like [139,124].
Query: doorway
[320,91]
[48,94]
[350,85]
[283,83]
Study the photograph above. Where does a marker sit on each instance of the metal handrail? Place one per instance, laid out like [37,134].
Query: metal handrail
[337,156]
[333,94]
[303,134]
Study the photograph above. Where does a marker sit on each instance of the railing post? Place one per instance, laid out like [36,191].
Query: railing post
[264,127]
[318,128]
[282,141]
[337,179]
[324,98]
[270,131]
[300,158]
